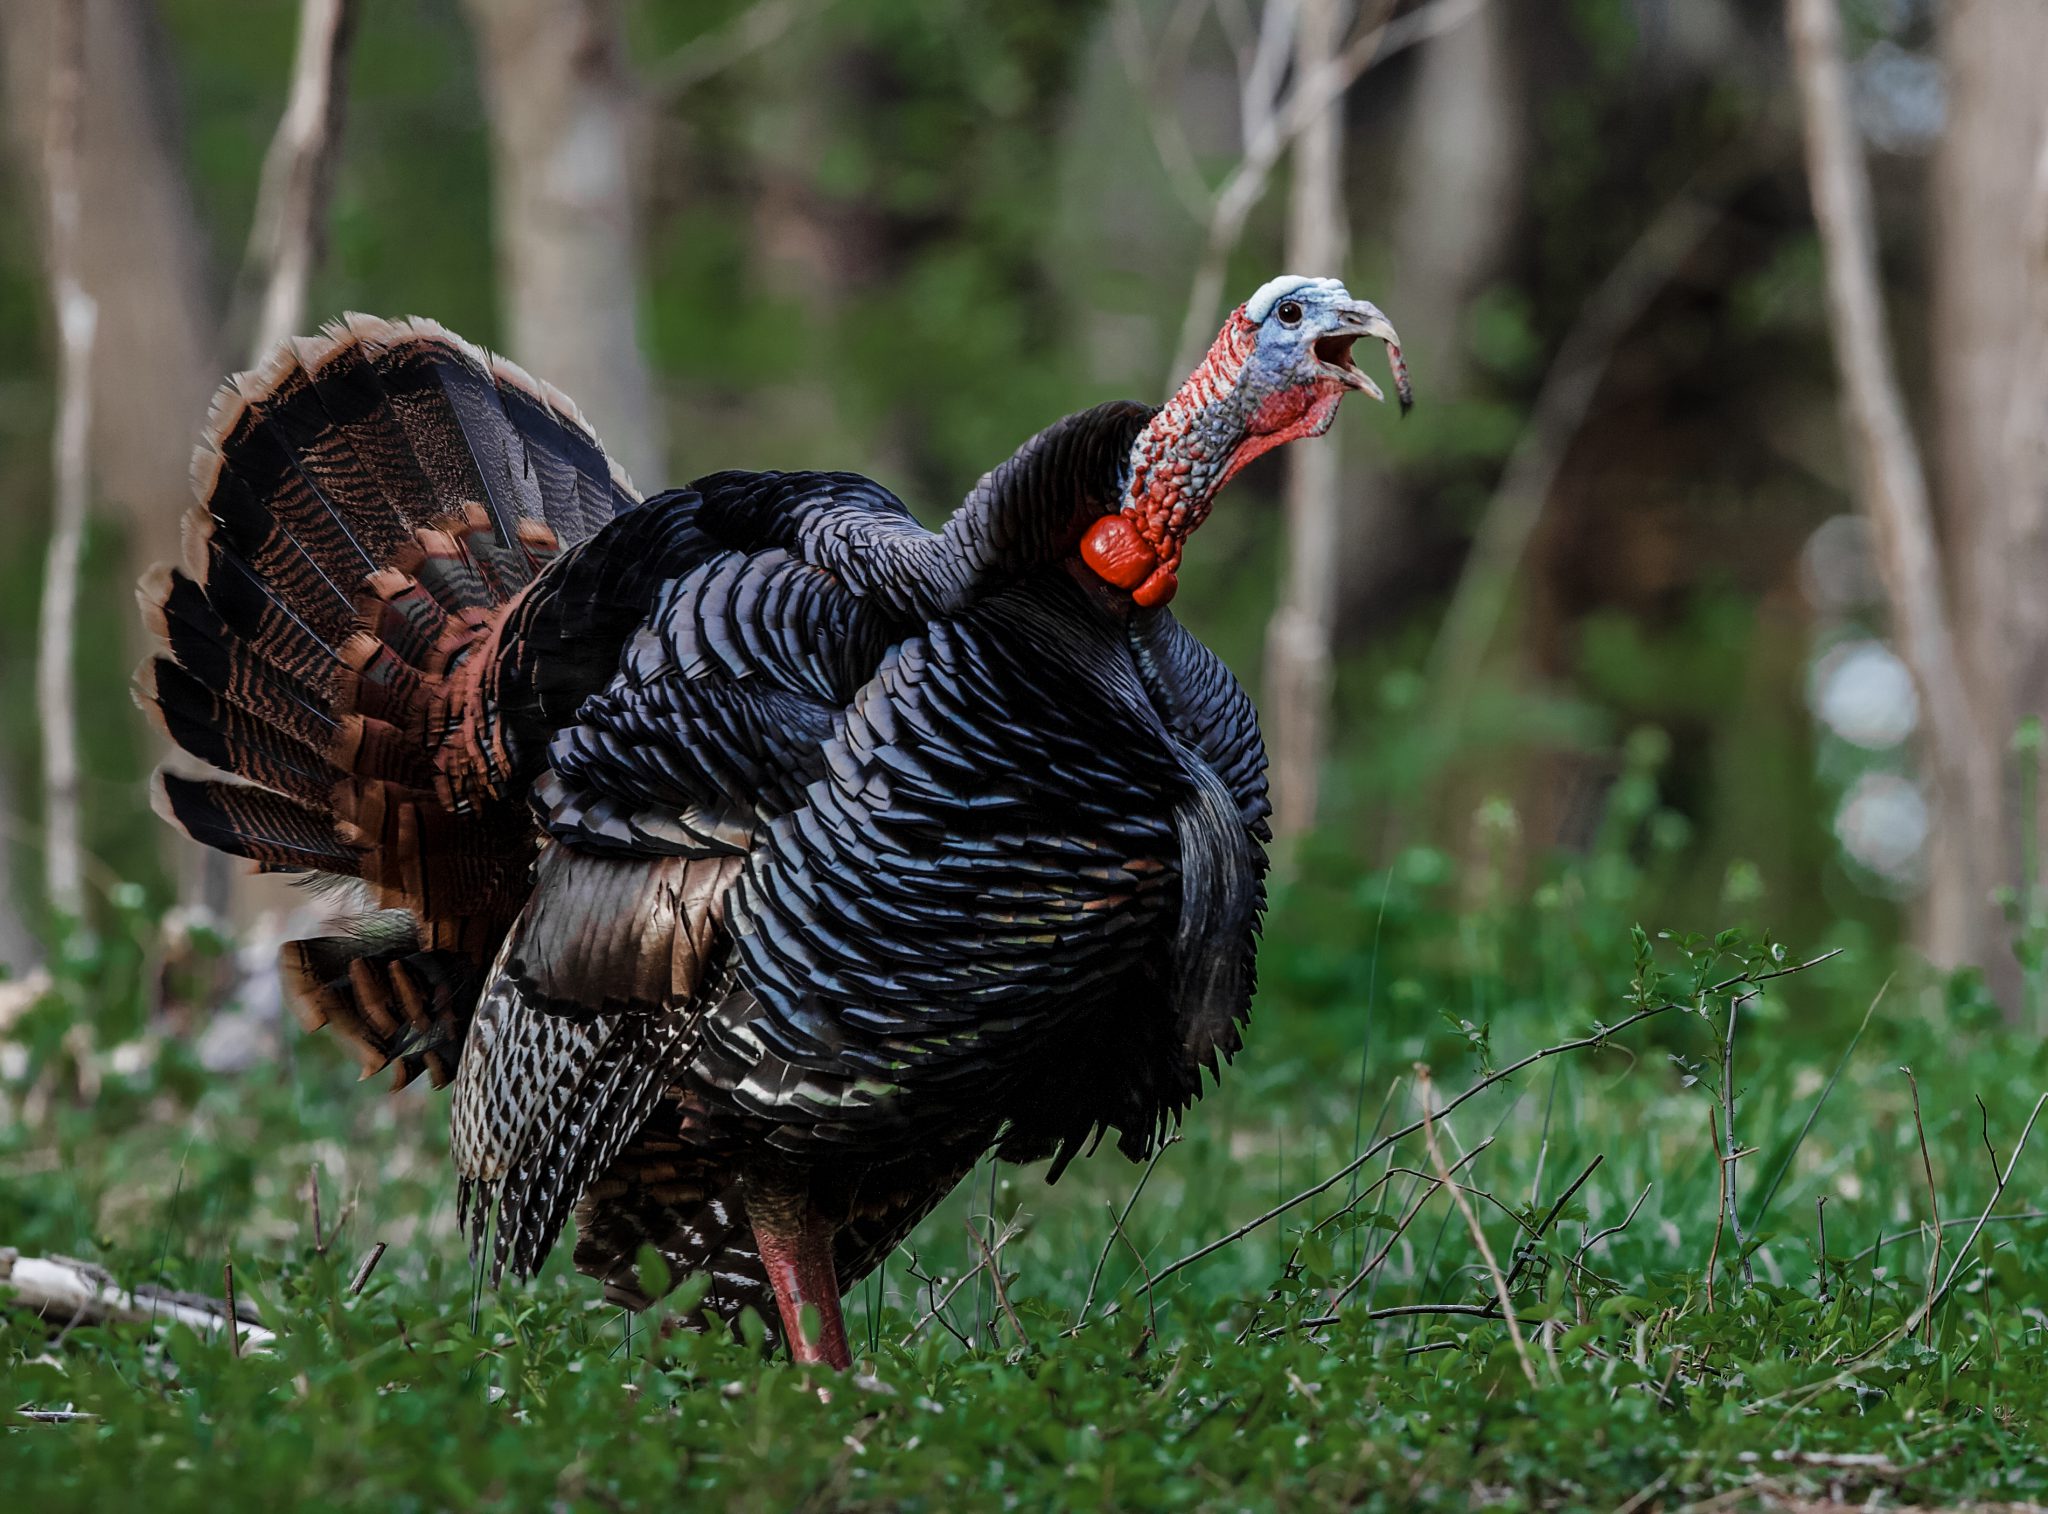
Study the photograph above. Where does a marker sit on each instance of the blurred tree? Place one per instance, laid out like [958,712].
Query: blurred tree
[1297,687]
[563,111]
[57,626]
[143,256]
[1990,245]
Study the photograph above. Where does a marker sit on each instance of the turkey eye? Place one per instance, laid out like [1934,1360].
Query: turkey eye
[1289,313]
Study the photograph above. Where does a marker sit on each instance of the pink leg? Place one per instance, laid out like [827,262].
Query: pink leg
[797,1253]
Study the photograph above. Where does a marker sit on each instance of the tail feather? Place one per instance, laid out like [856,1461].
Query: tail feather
[376,504]
[278,834]
[395,1003]
[200,720]
[181,618]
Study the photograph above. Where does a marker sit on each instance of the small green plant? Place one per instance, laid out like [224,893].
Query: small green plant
[1733,1270]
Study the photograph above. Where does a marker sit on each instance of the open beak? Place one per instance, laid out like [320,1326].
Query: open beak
[1333,351]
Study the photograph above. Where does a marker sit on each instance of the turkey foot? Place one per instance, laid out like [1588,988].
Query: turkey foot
[795,1243]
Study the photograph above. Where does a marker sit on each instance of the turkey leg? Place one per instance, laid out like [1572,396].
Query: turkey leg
[796,1250]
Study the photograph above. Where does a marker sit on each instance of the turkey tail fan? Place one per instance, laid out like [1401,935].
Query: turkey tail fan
[378,505]
[392,1001]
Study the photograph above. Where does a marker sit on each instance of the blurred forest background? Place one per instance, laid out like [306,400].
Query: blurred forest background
[1626,537]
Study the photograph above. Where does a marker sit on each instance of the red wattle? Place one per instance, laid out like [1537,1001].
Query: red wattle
[1118,554]
[1156,589]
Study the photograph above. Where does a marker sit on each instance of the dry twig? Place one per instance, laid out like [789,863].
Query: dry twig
[1720,1207]
[1732,1149]
[937,1311]
[1820,1222]
[1002,1293]
[369,1265]
[1933,1203]
[1599,1038]
[1400,1229]
[1963,1252]
[234,1335]
[1116,1224]
[1500,1283]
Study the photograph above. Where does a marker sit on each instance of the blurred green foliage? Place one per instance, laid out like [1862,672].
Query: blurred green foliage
[1650,1360]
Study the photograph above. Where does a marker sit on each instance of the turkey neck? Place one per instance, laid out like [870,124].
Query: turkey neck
[1184,455]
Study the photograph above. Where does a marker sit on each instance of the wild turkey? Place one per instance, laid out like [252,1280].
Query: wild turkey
[753,860]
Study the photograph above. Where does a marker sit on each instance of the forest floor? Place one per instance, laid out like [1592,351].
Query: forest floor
[1150,1343]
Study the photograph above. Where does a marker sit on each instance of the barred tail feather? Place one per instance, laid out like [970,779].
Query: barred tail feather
[375,504]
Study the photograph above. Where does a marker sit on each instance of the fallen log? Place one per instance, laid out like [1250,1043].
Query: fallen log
[70,1292]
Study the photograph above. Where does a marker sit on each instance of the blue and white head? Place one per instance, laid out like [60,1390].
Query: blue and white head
[1304,329]
[1275,374]
[1281,364]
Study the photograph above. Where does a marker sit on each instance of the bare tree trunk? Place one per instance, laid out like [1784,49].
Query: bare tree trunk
[1991,266]
[286,239]
[562,107]
[1297,691]
[142,254]
[56,697]
[1456,165]
[1460,187]
[1963,742]
[290,229]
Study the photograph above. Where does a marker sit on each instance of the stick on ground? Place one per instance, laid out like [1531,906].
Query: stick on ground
[77,1293]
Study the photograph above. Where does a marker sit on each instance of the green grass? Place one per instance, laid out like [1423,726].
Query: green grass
[1643,1378]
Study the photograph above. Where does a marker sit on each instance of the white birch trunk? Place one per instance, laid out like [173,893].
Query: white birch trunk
[563,109]
[1297,686]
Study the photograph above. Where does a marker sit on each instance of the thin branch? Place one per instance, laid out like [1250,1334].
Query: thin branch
[1526,1253]
[1407,1311]
[1002,1293]
[1400,1229]
[1500,1283]
[287,236]
[938,1308]
[1151,1309]
[320,1236]
[757,27]
[369,1265]
[1891,482]
[1116,1224]
[2017,1216]
[57,621]
[1733,1148]
[1933,1201]
[1626,1220]
[1266,141]
[1598,1039]
[1962,1252]
[1720,1205]
[1820,1224]
[1263,69]
[937,1311]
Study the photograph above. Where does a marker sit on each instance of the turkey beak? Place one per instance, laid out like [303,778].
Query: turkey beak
[1356,319]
